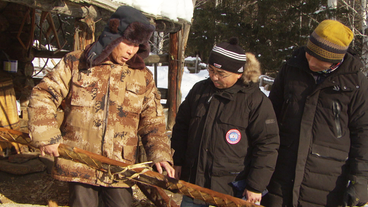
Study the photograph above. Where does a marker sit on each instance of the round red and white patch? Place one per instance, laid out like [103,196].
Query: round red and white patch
[233,136]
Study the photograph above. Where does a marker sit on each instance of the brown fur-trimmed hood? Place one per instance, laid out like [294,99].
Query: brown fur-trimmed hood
[252,69]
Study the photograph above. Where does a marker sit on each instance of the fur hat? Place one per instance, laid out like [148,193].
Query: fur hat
[329,41]
[228,56]
[126,23]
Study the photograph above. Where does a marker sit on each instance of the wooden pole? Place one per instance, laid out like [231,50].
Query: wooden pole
[173,84]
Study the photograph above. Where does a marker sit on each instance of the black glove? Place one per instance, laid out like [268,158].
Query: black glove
[356,193]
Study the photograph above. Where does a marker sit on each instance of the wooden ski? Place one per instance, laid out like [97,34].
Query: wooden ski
[140,174]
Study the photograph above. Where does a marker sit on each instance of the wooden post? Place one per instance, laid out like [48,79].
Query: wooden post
[183,39]
[172,79]
[178,43]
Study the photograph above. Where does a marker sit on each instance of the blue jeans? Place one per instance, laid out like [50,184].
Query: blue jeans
[188,202]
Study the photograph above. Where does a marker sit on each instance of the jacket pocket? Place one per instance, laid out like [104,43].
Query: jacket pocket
[329,153]
[225,166]
[133,101]
[337,111]
[83,91]
[129,153]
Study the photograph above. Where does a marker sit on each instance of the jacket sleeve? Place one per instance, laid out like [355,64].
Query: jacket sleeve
[263,135]
[44,101]
[277,93]
[358,155]
[181,130]
[358,126]
[152,127]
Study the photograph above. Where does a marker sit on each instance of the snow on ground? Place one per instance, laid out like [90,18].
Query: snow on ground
[188,80]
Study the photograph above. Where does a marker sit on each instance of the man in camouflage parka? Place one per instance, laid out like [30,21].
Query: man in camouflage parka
[110,99]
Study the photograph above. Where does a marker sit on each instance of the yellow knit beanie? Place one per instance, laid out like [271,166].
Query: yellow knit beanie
[329,41]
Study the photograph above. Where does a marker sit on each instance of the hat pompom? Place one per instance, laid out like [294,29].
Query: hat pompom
[233,41]
[114,25]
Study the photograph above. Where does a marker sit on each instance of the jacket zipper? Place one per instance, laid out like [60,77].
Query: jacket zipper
[106,109]
[337,111]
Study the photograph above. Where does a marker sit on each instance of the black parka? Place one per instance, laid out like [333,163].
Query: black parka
[202,137]
[323,132]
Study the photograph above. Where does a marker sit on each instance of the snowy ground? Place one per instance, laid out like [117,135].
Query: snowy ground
[189,79]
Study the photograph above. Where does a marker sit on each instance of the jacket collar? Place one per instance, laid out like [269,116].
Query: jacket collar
[351,63]
[230,93]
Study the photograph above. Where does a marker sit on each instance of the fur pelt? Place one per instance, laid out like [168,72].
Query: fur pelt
[252,69]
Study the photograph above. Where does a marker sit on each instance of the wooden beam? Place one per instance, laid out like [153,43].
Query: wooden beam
[95,9]
[50,54]
[156,59]
[167,26]
[60,7]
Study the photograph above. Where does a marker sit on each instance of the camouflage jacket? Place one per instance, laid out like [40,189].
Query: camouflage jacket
[106,108]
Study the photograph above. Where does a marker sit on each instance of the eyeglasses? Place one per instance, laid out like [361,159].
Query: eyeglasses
[219,74]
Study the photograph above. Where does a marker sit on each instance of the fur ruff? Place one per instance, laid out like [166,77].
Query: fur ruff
[252,69]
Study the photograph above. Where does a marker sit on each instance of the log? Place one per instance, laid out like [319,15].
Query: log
[141,175]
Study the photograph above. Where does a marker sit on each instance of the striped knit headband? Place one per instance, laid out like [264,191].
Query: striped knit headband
[329,41]
[228,56]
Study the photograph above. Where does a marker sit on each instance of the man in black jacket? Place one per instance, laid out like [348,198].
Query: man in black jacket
[321,102]
[226,134]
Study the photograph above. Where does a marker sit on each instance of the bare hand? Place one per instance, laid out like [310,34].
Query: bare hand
[170,170]
[253,197]
[177,172]
[51,149]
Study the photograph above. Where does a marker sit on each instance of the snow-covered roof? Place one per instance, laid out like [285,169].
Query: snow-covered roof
[171,9]
[177,11]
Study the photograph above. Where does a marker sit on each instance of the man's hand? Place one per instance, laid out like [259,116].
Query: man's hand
[356,193]
[177,172]
[170,170]
[51,149]
[253,197]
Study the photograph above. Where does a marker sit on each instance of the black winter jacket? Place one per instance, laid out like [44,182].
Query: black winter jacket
[225,135]
[323,132]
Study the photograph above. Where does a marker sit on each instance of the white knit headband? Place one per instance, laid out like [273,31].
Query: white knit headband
[232,55]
